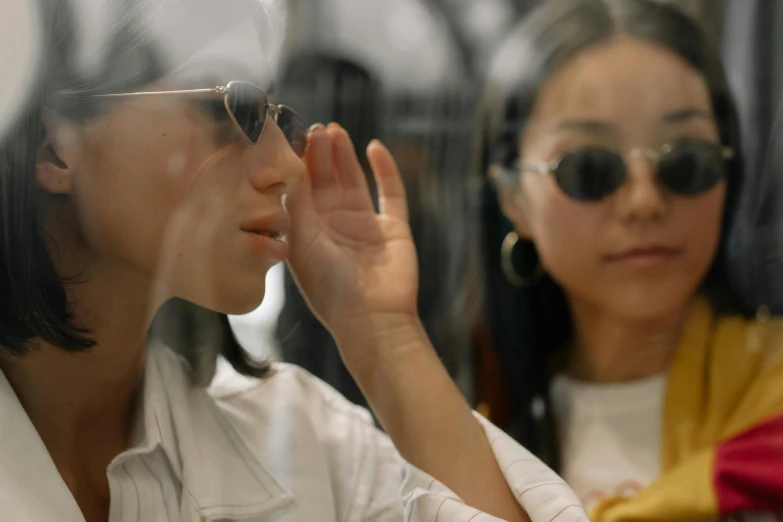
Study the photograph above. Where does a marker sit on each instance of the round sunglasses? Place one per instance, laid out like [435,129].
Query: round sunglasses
[685,167]
[247,105]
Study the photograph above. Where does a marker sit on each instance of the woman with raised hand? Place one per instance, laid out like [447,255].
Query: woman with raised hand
[150,164]
[633,368]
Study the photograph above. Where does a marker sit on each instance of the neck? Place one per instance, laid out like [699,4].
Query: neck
[610,347]
[83,404]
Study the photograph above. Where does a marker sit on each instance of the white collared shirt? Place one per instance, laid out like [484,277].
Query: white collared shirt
[287,449]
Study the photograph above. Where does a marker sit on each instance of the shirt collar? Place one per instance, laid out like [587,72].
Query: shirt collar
[219,473]
[31,488]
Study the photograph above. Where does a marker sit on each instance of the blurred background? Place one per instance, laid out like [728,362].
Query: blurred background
[409,72]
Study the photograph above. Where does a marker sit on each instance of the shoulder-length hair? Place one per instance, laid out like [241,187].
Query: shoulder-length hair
[89,47]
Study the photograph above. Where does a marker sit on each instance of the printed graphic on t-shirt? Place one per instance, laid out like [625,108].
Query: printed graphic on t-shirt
[625,489]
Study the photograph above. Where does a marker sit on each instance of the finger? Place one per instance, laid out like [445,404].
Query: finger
[318,158]
[349,172]
[391,191]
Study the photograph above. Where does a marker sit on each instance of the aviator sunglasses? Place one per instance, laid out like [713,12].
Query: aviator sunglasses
[686,167]
[247,105]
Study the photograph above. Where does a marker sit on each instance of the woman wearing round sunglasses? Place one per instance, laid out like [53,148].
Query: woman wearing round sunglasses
[630,366]
[149,164]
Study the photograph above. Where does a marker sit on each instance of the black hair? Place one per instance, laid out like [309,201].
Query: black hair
[33,300]
[530,325]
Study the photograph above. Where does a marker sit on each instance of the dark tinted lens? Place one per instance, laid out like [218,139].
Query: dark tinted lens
[247,103]
[691,167]
[293,128]
[590,174]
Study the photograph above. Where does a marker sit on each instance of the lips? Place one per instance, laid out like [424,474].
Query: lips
[646,255]
[274,226]
[274,234]
[648,251]
[266,236]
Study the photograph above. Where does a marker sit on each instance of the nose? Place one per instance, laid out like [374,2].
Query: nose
[275,167]
[641,198]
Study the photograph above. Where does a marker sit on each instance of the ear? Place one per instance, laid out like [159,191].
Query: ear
[512,200]
[58,155]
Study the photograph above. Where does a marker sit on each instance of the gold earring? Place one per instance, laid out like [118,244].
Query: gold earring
[507,264]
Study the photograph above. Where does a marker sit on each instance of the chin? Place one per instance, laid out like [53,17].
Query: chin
[232,299]
[649,303]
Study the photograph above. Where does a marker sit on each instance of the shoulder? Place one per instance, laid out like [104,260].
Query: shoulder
[756,340]
[290,414]
[289,389]
[305,424]
[745,370]
[318,446]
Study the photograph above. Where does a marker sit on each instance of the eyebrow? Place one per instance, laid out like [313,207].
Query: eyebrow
[594,126]
[602,127]
[686,114]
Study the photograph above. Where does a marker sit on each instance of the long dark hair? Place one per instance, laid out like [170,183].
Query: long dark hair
[530,325]
[33,299]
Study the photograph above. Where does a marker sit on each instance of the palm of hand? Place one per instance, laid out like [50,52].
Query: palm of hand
[351,262]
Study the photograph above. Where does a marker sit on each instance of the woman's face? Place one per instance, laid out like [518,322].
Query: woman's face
[166,189]
[643,250]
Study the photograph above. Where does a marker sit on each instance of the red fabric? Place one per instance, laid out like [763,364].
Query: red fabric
[748,474]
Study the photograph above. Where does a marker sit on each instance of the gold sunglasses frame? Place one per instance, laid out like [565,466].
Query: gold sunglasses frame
[219,89]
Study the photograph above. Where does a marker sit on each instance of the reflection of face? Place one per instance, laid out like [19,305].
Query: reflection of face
[627,90]
[166,189]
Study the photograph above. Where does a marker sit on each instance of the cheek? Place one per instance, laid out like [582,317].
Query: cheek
[132,188]
[701,220]
[566,232]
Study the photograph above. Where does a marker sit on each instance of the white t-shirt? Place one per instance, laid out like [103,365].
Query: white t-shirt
[610,435]
[610,438]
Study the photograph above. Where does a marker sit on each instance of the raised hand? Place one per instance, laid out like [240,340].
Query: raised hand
[358,270]
[355,266]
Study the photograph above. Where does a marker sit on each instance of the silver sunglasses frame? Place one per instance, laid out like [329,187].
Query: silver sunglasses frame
[548,167]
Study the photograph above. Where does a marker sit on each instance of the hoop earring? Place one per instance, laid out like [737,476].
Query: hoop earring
[507,264]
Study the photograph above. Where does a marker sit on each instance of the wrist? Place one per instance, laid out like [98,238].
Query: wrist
[381,341]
